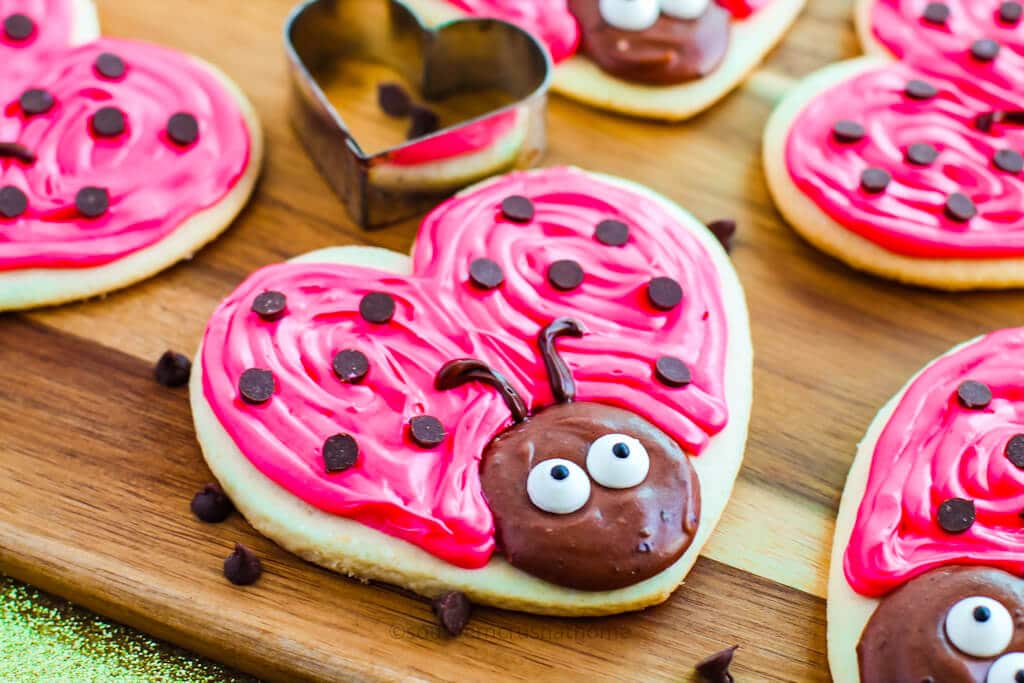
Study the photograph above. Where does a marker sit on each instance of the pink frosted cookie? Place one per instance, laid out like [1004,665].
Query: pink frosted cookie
[912,169]
[117,158]
[545,407]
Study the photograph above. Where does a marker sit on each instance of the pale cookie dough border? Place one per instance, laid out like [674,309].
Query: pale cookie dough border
[351,548]
[28,288]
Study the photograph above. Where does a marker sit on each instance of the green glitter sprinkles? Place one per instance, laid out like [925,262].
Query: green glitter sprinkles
[43,638]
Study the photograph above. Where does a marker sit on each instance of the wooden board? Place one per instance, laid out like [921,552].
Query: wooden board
[98,463]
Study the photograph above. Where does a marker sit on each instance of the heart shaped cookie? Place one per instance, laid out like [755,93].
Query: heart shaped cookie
[545,407]
[911,169]
[117,158]
[660,59]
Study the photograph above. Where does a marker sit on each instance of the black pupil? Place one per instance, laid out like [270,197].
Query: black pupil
[559,472]
[1019,676]
[982,614]
[620,450]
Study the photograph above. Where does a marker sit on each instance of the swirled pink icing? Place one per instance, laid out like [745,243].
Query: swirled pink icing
[467,139]
[53,21]
[432,497]
[933,449]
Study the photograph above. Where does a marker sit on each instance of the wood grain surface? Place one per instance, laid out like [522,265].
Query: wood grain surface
[98,463]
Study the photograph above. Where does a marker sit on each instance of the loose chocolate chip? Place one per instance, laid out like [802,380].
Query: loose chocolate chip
[936,13]
[109,65]
[242,567]
[974,395]
[960,208]
[351,366]
[453,610]
[724,230]
[270,305]
[13,150]
[35,101]
[92,202]
[985,49]
[517,209]
[340,453]
[565,275]
[875,180]
[1009,160]
[672,371]
[956,515]
[920,90]
[173,369]
[394,100]
[1011,12]
[13,202]
[211,505]
[715,669]
[1015,451]
[848,131]
[108,122]
[256,386]
[183,129]
[427,431]
[612,233]
[18,27]
[424,122]
[377,307]
[922,154]
[485,273]
[664,293]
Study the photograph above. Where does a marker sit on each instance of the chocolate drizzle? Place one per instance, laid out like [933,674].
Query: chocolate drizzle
[14,150]
[984,122]
[563,387]
[458,372]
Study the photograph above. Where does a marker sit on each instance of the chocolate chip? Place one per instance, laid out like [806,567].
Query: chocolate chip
[242,567]
[109,65]
[1011,12]
[13,202]
[485,273]
[340,453]
[173,369]
[715,669]
[956,515]
[985,49]
[18,27]
[377,307]
[92,202]
[13,150]
[453,610]
[920,90]
[1009,160]
[1015,451]
[875,180]
[984,122]
[424,122]
[922,154]
[211,505]
[270,305]
[848,131]
[960,208]
[351,366]
[256,386]
[936,13]
[974,395]
[724,230]
[517,209]
[664,293]
[565,275]
[427,431]
[672,371]
[108,122]
[35,101]
[612,233]
[183,129]
[394,100]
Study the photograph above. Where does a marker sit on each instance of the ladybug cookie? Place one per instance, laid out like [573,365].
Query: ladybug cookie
[117,158]
[545,407]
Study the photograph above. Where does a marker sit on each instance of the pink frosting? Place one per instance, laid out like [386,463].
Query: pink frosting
[468,139]
[933,449]
[53,31]
[432,497]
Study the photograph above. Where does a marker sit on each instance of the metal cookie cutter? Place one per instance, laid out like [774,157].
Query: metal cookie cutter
[458,58]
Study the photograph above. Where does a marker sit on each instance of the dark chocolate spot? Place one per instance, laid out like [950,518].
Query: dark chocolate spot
[35,101]
[715,669]
[1015,451]
[974,395]
[256,386]
[427,431]
[424,122]
[172,369]
[485,273]
[211,505]
[340,453]
[1009,160]
[612,233]
[394,100]
[108,122]
[270,305]
[242,567]
[875,180]
[672,371]
[13,202]
[453,611]
[985,49]
[109,65]
[922,154]
[183,129]
[377,307]
[92,202]
[960,208]
[936,13]
[956,515]
[565,275]
[351,366]
[517,209]
[1011,12]
[920,90]
[724,230]
[847,132]
[13,150]
[18,27]
[664,293]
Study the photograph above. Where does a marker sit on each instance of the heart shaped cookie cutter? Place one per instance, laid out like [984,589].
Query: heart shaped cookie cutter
[458,58]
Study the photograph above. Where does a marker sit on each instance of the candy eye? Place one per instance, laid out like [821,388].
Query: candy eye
[1007,669]
[558,486]
[979,627]
[630,15]
[685,9]
[618,461]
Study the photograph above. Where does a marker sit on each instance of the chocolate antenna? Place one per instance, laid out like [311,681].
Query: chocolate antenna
[458,372]
[562,384]
[13,150]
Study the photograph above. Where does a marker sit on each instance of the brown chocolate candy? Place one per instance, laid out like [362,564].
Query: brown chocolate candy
[1008,160]
[107,122]
[453,610]
[664,293]
[922,154]
[424,122]
[875,180]
[956,515]
[936,13]
[724,231]
[172,369]
[377,307]
[242,567]
[1015,451]
[19,27]
[1011,12]
[13,202]
[974,395]
[35,101]
[517,209]
[183,129]
[960,208]
[920,90]
[485,273]
[848,132]
[612,233]
[672,371]
[715,668]
[351,366]
[340,452]
[256,386]
[92,202]
[108,65]
[565,275]
[211,504]
[270,305]
[394,100]
[427,431]
[985,49]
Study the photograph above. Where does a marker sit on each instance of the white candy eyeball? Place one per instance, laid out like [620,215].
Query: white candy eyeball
[1007,669]
[630,15]
[618,461]
[558,486]
[979,627]
[685,9]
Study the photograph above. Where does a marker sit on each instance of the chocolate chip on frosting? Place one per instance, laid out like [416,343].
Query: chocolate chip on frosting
[485,273]
[453,610]
[847,132]
[875,180]
[427,431]
[13,202]
[565,275]
[351,366]
[724,230]
[183,129]
[211,504]
[242,567]
[92,202]
[936,13]
[18,27]
[985,49]
[1009,160]
[1011,12]
[340,453]
[35,101]
[612,233]
[956,515]
[960,208]
[715,668]
[109,65]
[1015,451]
[108,122]
[920,90]
[672,371]
[270,305]
[664,293]
[974,395]
[922,154]
[377,307]
[256,386]
[517,209]
[172,369]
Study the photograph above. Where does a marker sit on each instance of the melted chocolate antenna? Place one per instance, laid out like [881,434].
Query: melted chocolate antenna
[984,122]
[458,372]
[14,150]
[562,384]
